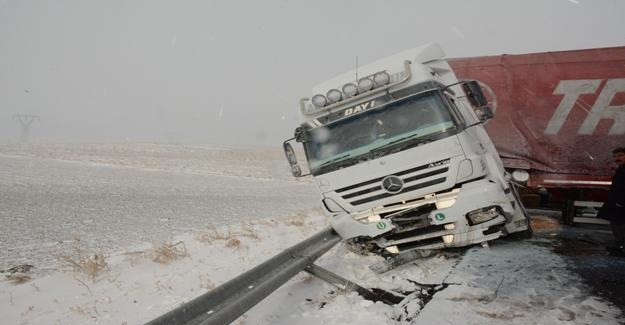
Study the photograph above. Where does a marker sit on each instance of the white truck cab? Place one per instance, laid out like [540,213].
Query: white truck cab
[400,156]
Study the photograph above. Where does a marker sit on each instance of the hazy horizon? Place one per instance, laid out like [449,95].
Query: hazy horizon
[232,72]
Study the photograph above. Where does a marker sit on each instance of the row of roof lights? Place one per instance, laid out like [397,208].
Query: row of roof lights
[350,90]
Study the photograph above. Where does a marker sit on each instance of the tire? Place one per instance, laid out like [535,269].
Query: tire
[568,213]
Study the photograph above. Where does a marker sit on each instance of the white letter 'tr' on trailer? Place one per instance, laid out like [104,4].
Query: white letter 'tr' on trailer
[571,89]
[602,110]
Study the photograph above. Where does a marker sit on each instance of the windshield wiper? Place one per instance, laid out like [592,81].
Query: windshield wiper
[401,139]
[334,160]
[409,142]
[384,147]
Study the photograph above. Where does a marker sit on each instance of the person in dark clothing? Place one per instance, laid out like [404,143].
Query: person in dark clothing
[614,208]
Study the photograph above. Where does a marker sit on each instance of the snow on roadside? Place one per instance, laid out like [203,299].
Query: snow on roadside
[134,289]
[311,301]
[516,282]
[513,281]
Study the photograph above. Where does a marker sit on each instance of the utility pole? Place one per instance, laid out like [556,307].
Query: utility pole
[25,122]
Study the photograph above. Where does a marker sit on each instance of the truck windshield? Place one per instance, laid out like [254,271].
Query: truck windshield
[412,120]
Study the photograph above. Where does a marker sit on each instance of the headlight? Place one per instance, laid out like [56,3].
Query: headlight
[350,90]
[319,100]
[483,215]
[381,78]
[334,95]
[365,84]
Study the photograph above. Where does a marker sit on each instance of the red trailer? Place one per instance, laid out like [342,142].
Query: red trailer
[558,115]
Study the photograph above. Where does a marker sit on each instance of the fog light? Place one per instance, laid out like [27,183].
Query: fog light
[450,226]
[448,239]
[483,215]
[392,249]
[442,204]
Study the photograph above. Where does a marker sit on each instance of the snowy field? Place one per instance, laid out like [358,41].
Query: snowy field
[55,198]
[122,234]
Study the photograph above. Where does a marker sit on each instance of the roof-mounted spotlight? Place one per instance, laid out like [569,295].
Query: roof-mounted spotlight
[319,100]
[350,90]
[381,79]
[334,95]
[365,84]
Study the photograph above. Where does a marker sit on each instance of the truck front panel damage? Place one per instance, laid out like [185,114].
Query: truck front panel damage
[406,164]
[420,224]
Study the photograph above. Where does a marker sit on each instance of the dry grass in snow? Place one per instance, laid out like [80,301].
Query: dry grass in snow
[145,281]
[168,252]
[18,278]
[233,243]
[212,234]
[91,265]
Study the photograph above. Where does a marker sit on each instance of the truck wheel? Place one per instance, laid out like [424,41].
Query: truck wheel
[525,234]
[568,212]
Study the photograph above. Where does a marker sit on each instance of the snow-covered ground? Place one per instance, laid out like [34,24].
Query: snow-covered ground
[53,198]
[255,162]
[512,281]
[131,282]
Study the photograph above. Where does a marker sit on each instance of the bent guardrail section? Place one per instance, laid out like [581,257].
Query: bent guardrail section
[232,299]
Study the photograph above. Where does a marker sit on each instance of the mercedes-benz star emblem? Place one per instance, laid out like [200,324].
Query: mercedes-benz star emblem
[392,184]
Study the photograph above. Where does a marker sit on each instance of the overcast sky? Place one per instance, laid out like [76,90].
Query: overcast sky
[232,72]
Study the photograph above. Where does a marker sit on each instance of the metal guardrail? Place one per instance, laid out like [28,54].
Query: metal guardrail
[232,299]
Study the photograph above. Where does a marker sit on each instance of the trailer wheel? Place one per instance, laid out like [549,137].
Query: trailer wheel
[568,212]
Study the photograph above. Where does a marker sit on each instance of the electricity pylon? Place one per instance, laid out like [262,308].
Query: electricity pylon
[25,122]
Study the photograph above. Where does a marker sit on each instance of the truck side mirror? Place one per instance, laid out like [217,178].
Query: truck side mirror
[474,93]
[296,171]
[291,157]
[290,154]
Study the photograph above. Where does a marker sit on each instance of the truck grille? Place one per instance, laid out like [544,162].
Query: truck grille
[372,190]
[410,219]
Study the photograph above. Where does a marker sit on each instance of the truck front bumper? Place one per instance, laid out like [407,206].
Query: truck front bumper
[446,227]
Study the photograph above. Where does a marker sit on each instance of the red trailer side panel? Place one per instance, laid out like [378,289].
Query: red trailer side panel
[558,114]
